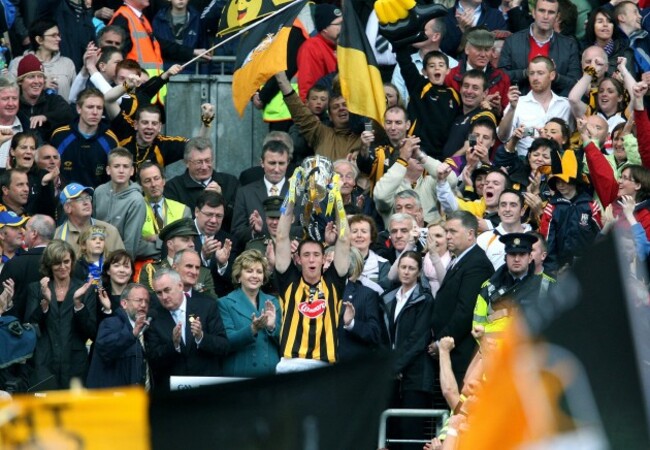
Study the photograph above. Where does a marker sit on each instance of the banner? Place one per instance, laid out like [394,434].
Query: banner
[239,13]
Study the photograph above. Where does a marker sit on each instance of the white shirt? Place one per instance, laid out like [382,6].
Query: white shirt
[179,317]
[494,249]
[531,113]
[401,298]
[279,185]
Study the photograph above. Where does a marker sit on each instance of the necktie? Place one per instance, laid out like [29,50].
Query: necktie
[274,190]
[157,216]
[147,376]
[187,294]
[452,263]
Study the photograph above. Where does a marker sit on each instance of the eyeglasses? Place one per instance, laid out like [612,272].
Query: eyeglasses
[201,162]
[211,216]
[82,199]
[53,35]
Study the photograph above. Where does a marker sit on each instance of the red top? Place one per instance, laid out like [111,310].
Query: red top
[537,50]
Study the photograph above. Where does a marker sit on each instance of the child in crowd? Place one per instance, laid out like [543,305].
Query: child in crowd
[120,201]
[92,245]
[432,106]
[571,219]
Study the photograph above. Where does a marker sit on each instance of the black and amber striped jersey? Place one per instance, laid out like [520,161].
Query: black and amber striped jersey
[310,314]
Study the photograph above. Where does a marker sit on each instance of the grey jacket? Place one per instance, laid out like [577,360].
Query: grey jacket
[126,210]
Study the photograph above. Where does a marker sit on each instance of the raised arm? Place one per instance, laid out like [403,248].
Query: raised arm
[283,240]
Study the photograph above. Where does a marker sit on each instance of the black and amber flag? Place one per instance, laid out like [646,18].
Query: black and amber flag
[239,13]
[261,54]
[361,83]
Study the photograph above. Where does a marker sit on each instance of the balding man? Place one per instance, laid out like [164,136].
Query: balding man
[187,337]
[24,268]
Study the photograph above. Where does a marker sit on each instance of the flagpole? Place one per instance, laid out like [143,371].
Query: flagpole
[233,36]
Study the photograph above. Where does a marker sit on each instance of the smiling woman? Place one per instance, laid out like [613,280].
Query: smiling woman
[63,310]
[252,319]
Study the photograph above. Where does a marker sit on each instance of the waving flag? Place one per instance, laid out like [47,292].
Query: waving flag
[262,53]
[361,83]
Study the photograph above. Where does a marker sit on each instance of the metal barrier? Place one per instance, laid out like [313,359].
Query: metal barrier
[383,421]
[237,141]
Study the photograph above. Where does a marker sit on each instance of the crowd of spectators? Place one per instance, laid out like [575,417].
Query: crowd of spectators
[516,134]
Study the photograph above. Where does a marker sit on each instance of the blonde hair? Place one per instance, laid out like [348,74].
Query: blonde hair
[356,264]
[246,260]
[87,234]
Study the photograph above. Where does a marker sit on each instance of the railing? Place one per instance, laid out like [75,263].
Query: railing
[383,421]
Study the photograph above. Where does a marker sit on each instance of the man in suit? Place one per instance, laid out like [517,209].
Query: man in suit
[161,211]
[248,221]
[119,356]
[187,337]
[457,295]
[176,237]
[188,265]
[25,268]
[215,246]
[200,176]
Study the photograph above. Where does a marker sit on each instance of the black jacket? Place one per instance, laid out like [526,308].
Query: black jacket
[118,358]
[204,360]
[367,334]
[409,336]
[455,302]
[185,190]
[23,269]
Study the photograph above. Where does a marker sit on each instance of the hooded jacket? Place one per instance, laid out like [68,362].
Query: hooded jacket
[126,210]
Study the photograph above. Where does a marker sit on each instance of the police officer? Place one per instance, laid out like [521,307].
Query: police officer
[515,284]
[177,236]
[272,205]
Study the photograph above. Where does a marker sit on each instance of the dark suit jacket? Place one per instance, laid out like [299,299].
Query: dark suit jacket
[454,306]
[366,335]
[222,283]
[185,190]
[409,335]
[23,269]
[202,360]
[118,358]
[249,198]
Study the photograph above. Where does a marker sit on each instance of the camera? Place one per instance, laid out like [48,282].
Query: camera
[529,131]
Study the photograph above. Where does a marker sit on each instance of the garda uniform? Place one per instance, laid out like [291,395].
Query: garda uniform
[181,227]
[272,207]
[502,294]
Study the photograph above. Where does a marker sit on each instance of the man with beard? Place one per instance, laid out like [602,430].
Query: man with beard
[119,355]
[536,108]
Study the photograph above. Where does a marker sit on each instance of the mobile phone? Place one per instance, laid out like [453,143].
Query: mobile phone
[368,126]
[472,140]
